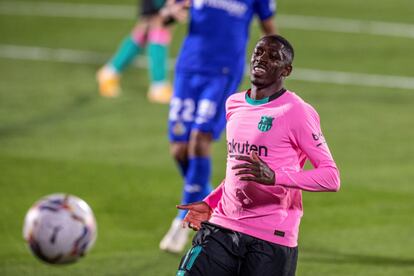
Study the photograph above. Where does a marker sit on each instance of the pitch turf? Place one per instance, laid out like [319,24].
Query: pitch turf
[58,135]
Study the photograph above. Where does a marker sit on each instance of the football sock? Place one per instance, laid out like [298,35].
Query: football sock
[197,182]
[183,167]
[158,41]
[125,54]
[130,47]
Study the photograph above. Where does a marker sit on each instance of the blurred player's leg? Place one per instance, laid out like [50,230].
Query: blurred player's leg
[209,122]
[179,127]
[160,90]
[196,110]
[109,75]
[176,238]
[197,179]
[196,187]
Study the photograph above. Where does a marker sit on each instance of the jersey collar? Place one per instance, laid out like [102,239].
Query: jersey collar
[264,100]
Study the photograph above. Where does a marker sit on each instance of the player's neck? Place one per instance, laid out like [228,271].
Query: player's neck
[258,93]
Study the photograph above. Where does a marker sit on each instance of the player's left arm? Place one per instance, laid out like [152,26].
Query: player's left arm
[253,168]
[306,134]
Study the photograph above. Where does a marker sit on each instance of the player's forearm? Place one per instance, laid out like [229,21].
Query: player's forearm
[268,26]
[322,179]
[214,197]
[174,11]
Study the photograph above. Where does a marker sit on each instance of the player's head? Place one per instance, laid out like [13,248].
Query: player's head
[271,60]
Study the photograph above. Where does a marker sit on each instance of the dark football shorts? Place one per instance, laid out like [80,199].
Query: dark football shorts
[217,251]
[150,7]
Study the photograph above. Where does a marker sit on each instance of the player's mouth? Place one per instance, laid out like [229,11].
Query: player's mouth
[259,69]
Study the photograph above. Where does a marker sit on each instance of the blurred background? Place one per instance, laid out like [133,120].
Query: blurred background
[354,64]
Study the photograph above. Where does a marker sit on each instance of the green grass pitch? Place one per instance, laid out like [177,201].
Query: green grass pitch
[58,135]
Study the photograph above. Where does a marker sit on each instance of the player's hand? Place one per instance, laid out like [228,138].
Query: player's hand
[197,213]
[254,169]
[176,10]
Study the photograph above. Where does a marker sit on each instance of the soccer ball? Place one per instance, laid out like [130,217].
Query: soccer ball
[60,228]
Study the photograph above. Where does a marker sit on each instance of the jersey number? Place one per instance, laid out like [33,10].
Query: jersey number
[183,110]
[187,106]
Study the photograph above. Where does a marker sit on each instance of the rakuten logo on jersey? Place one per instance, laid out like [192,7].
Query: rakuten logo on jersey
[231,6]
[236,148]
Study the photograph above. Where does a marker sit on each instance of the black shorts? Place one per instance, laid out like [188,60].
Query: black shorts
[150,7]
[217,251]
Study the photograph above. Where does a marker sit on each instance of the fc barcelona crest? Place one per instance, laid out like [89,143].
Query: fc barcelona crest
[265,123]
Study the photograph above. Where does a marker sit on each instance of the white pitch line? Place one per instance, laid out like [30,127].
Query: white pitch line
[127,12]
[347,78]
[62,55]
[300,74]
[47,54]
[314,23]
[70,10]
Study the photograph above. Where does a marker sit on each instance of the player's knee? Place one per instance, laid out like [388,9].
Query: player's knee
[200,143]
[179,151]
[159,35]
[139,33]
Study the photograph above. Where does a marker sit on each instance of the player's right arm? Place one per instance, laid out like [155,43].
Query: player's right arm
[268,26]
[201,211]
[265,10]
[214,197]
[197,213]
[175,10]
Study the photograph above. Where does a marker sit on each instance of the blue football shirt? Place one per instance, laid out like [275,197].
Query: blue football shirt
[218,33]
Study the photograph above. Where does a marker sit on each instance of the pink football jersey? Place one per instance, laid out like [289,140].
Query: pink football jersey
[284,132]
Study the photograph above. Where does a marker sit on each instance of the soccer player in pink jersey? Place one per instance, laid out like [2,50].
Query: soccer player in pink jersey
[249,224]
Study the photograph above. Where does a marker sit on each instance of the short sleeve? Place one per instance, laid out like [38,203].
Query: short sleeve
[264,8]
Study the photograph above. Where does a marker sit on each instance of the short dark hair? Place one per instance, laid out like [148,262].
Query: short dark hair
[287,49]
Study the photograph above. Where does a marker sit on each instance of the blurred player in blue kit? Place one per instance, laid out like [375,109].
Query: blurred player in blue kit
[151,32]
[209,69]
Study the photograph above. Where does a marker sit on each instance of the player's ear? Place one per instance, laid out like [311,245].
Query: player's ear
[287,70]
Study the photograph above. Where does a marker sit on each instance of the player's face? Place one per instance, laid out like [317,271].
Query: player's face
[269,63]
